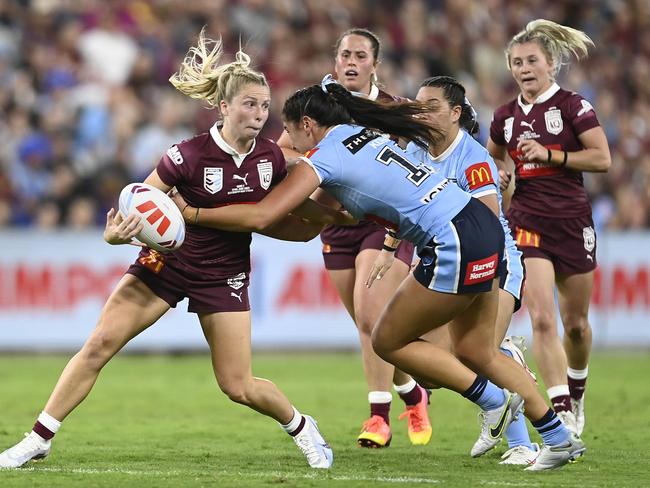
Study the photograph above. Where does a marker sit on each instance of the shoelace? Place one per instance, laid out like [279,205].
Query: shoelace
[308,448]
[373,424]
[413,414]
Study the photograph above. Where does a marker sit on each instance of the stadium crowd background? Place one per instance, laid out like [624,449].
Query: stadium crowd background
[87,108]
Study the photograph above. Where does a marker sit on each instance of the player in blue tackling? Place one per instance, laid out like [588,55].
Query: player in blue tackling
[462,159]
[459,239]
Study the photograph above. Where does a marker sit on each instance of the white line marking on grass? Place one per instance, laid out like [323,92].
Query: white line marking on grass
[270,474]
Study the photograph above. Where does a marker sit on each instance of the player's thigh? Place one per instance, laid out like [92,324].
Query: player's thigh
[413,311]
[472,330]
[574,295]
[504,314]
[229,337]
[130,309]
[370,302]
[343,280]
[539,291]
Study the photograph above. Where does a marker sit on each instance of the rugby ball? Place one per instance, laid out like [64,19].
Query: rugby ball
[164,227]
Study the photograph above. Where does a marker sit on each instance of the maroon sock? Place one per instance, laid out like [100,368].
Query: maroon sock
[561,403]
[413,397]
[43,431]
[381,409]
[299,428]
[576,387]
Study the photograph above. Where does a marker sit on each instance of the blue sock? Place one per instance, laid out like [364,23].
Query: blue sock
[551,428]
[485,394]
[517,433]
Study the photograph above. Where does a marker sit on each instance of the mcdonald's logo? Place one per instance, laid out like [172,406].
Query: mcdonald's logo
[527,238]
[479,175]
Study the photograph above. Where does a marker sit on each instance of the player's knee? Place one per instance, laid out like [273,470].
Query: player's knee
[381,344]
[543,322]
[364,323]
[575,326]
[236,391]
[475,358]
[97,351]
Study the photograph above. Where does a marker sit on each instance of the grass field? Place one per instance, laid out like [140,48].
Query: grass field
[160,421]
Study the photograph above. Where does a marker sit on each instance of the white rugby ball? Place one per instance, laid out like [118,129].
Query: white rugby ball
[164,227]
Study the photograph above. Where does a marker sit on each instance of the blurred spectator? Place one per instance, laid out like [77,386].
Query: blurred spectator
[87,106]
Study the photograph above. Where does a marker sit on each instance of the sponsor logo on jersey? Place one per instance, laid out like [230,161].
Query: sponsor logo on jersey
[356,142]
[241,178]
[553,119]
[435,191]
[213,179]
[586,107]
[154,261]
[527,238]
[507,128]
[479,175]
[523,123]
[589,238]
[236,282]
[481,270]
[532,169]
[175,155]
[265,171]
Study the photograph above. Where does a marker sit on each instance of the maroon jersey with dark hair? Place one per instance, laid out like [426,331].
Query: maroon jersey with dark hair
[555,120]
[209,173]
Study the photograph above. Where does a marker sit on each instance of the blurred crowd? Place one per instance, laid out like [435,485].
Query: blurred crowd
[87,107]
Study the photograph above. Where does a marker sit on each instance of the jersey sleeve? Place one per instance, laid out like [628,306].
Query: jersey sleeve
[280,165]
[325,163]
[172,167]
[496,127]
[580,113]
[478,175]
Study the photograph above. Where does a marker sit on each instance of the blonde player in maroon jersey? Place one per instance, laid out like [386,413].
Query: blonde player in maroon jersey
[552,135]
[349,253]
[230,164]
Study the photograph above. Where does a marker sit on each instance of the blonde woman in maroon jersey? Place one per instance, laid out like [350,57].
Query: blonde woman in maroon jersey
[553,135]
[349,253]
[229,164]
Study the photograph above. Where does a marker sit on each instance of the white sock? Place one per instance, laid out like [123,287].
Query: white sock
[294,423]
[403,389]
[557,390]
[379,397]
[577,374]
[49,422]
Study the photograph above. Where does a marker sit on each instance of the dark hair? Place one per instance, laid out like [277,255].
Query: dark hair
[357,31]
[339,106]
[455,94]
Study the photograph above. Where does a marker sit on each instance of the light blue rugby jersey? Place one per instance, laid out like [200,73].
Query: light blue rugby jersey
[463,162]
[372,177]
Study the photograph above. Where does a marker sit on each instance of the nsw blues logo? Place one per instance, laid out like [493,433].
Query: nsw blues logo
[213,179]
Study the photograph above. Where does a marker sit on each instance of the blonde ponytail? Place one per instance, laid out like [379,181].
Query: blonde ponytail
[200,76]
[558,42]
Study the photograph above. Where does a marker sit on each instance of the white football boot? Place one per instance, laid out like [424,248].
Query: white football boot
[495,422]
[578,409]
[520,455]
[569,421]
[313,446]
[31,447]
[517,346]
[551,457]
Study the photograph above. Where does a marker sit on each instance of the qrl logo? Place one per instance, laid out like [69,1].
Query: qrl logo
[479,175]
[155,216]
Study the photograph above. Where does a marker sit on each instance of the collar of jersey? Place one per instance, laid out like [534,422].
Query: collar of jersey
[527,107]
[227,148]
[445,154]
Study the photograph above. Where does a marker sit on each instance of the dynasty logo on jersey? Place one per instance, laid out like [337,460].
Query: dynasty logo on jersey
[479,175]
[265,171]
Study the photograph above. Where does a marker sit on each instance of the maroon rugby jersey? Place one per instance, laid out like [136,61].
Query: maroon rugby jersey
[208,173]
[555,120]
[332,234]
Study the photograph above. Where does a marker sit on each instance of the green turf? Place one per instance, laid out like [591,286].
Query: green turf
[160,421]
